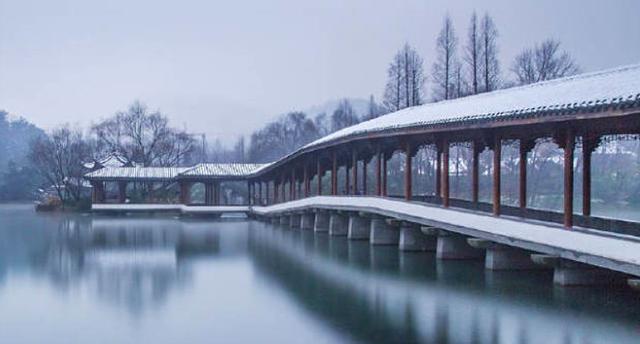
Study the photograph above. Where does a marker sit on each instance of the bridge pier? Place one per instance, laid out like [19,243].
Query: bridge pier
[501,257]
[412,239]
[359,227]
[338,224]
[569,273]
[294,220]
[306,220]
[382,233]
[455,246]
[321,223]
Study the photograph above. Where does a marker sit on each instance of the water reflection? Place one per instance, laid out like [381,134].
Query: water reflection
[372,293]
[235,274]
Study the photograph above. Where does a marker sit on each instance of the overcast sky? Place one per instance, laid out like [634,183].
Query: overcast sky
[227,67]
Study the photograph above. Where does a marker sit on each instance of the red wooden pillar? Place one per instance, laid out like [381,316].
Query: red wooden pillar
[260,202]
[497,157]
[475,172]
[589,144]
[445,172]
[379,174]
[334,174]
[305,178]
[320,172]
[439,169]
[408,187]
[122,192]
[276,190]
[354,172]
[364,176]
[293,185]
[568,178]
[384,174]
[347,187]
[525,146]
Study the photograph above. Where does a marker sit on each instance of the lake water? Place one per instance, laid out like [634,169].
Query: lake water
[97,279]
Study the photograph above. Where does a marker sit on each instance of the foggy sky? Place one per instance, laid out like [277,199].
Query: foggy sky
[227,67]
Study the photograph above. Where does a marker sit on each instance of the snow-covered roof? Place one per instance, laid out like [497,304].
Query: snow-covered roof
[222,170]
[140,173]
[580,92]
[113,159]
[168,173]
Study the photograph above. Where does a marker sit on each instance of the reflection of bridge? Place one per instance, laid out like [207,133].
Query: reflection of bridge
[135,263]
[577,113]
[337,287]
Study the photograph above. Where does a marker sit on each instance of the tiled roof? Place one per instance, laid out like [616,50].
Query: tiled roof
[139,173]
[619,87]
[222,170]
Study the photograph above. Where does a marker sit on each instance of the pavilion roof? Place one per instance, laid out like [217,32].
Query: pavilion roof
[137,173]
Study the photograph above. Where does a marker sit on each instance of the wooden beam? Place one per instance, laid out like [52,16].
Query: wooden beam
[497,158]
[568,177]
[445,173]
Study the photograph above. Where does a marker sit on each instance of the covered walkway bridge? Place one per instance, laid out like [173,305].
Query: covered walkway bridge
[577,113]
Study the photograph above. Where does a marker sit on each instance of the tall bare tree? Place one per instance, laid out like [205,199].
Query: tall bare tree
[443,67]
[405,80]
[472,52]
[490,65]
[144,137]
[58,158]
[545,61]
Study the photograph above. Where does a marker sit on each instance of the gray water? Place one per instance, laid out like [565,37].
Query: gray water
[82,278]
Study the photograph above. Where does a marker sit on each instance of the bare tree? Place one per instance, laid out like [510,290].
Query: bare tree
[544,62]
[144,137]
[405,80]
[58,159]
[489,54]
[443,68]
[472,52]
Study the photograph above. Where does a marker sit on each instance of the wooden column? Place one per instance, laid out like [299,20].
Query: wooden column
[569,143]
[497,157]
[305,180]
[408,187]
[439,169]
[384,174]
[334,174]
[364,176]
[347,187]
[445,173]
[589,144]
[260,199]
[525,146]
[354,172]
[379,174]
[185,188]
[267,201]
[320,172]
[207,194]
[292,185]
[475,172]
[276,190]
[122,192]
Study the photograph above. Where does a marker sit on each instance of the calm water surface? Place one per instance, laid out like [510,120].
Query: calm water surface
[83,278]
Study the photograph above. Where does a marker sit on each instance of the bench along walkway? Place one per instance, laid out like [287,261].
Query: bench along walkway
[614,252]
